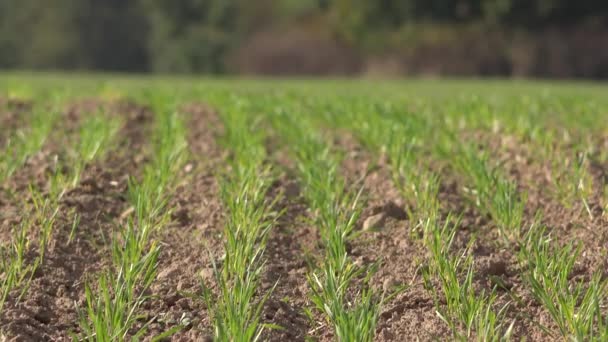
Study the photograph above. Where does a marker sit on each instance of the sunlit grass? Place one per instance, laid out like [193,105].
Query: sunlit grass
[26,142]
[334,276]
[113,305]
[96,135]
[469,314]
[490,191]
[236,310]
[574,305]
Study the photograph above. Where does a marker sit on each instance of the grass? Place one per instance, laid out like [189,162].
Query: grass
[112,311]
[236,309]
[34,231]
[339,288]
[404,137]
[574,305]
[42,208]
[469,314]
[95,139]
[26,142]
[571,179]
[43,215]
[490,191]
[397,135]
[15,271]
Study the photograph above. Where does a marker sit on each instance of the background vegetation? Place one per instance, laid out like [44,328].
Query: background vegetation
[490,37]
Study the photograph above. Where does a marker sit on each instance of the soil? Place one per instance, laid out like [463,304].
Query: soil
[290,240]
[193,238]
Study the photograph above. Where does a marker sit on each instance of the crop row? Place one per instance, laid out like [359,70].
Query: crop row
[422,147]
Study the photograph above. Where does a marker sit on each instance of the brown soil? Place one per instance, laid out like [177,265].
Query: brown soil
[286,266]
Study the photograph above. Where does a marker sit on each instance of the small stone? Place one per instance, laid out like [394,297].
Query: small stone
[167,272]
[389,284]
[181,215]
[375,221]
[126,213]
[359,261]
[292,190]
[180,285]
[207,274]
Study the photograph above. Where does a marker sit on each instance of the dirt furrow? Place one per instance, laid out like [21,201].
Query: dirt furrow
[286,266]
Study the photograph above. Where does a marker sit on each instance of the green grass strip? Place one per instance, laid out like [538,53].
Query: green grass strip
[112,305]
[236,310]
[574,305]
[354,316]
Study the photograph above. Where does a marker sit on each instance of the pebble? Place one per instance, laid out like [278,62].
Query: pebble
[374,222]
[207,274]
[389,284]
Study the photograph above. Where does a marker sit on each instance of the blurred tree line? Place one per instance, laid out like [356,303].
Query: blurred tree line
[201,35]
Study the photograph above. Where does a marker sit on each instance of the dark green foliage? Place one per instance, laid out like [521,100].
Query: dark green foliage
[201,35]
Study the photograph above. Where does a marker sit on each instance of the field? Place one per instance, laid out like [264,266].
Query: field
[300,210]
